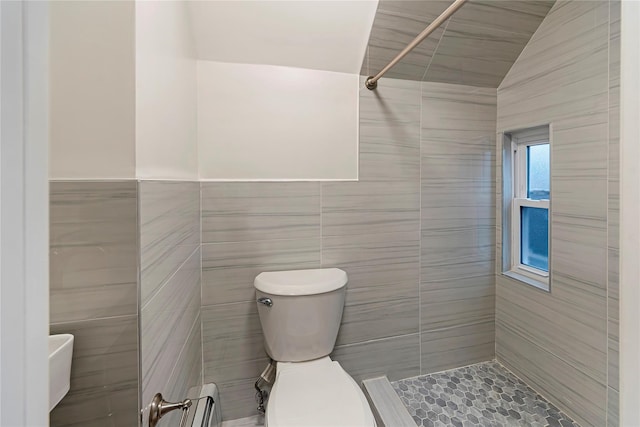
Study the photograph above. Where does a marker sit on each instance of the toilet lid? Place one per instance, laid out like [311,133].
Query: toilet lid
[317,394]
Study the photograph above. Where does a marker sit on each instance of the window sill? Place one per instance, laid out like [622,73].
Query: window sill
[540,284]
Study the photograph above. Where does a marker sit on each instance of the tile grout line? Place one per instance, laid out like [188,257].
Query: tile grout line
[606,343]
[420,231]
[320,185]
[175,272]
[201,289]
[444,30]
[139,288]
[97,319]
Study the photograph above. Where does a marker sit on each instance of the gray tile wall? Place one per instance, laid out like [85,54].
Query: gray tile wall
[613,222]
[170,271]
[561,342]
[477,46]
[248,228]
[93,282]
[457,279]
[371,229]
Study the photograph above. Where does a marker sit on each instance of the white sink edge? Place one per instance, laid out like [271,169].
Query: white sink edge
[60,356]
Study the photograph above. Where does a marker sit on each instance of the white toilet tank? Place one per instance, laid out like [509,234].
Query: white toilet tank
[300,312]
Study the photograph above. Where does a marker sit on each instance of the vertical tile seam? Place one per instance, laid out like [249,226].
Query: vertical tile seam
[183,350]
[420,228]
[139,292]
[606,394]
[200,184]
[321,210]
[426,70]
[497,263]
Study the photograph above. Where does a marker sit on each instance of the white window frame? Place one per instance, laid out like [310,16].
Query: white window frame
[520,200]
[515,177]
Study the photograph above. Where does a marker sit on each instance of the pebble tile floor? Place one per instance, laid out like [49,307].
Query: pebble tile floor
[485,394]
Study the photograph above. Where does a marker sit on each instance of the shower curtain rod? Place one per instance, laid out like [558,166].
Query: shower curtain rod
[372,81]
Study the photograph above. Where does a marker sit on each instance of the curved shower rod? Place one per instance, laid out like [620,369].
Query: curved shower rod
[372,81]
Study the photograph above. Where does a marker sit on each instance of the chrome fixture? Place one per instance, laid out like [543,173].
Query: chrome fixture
[160,407]
[372,81]
[266,301]
[266,379]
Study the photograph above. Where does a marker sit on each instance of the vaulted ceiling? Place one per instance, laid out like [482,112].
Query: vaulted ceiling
[315,34]
[477,46]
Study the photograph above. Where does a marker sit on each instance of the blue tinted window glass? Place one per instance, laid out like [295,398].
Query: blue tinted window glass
[534,223]
[538,172]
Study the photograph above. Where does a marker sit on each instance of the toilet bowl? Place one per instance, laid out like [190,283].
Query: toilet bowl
[300,313]
[318,393]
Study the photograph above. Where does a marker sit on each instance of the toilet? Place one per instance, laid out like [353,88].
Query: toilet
[300,312]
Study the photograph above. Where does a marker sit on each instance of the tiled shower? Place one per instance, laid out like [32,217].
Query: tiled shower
[155,277]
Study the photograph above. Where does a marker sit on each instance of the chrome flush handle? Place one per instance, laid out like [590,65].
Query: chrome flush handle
[266,301]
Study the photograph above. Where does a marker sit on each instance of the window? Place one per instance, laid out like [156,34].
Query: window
[526,206]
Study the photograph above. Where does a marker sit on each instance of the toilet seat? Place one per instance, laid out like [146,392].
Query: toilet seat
[318,393]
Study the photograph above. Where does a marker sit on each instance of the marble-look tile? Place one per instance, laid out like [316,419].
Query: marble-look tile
[364,321]
[350,208]
[241,211]
[232,342]
[456,302]
[390,132]
[165,323]
[454,108]
[425,9]
[578,341]
[457,225]
[579,249]
[370,250]
[613,217]
[515,16]
[396,357]
[613,408]
[475,55]
[477,46]
[93,246]
[570,389]
[104,374]
[169,230]
[458,160]
[234,354]
[384,281]
[457,253]
[186,374]
[568,51]
[457,346]
[579,152]
[558,341]
[390,33]
[237,398]
[190,363]
[229,269]
[372,301]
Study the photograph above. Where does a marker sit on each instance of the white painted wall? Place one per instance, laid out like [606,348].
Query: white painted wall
[24,222]
[315,34]
[166,146]
[263,122]
[92,78]
[124,82]
[630,215]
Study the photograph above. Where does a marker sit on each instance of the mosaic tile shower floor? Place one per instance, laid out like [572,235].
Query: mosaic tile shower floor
[485,394]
